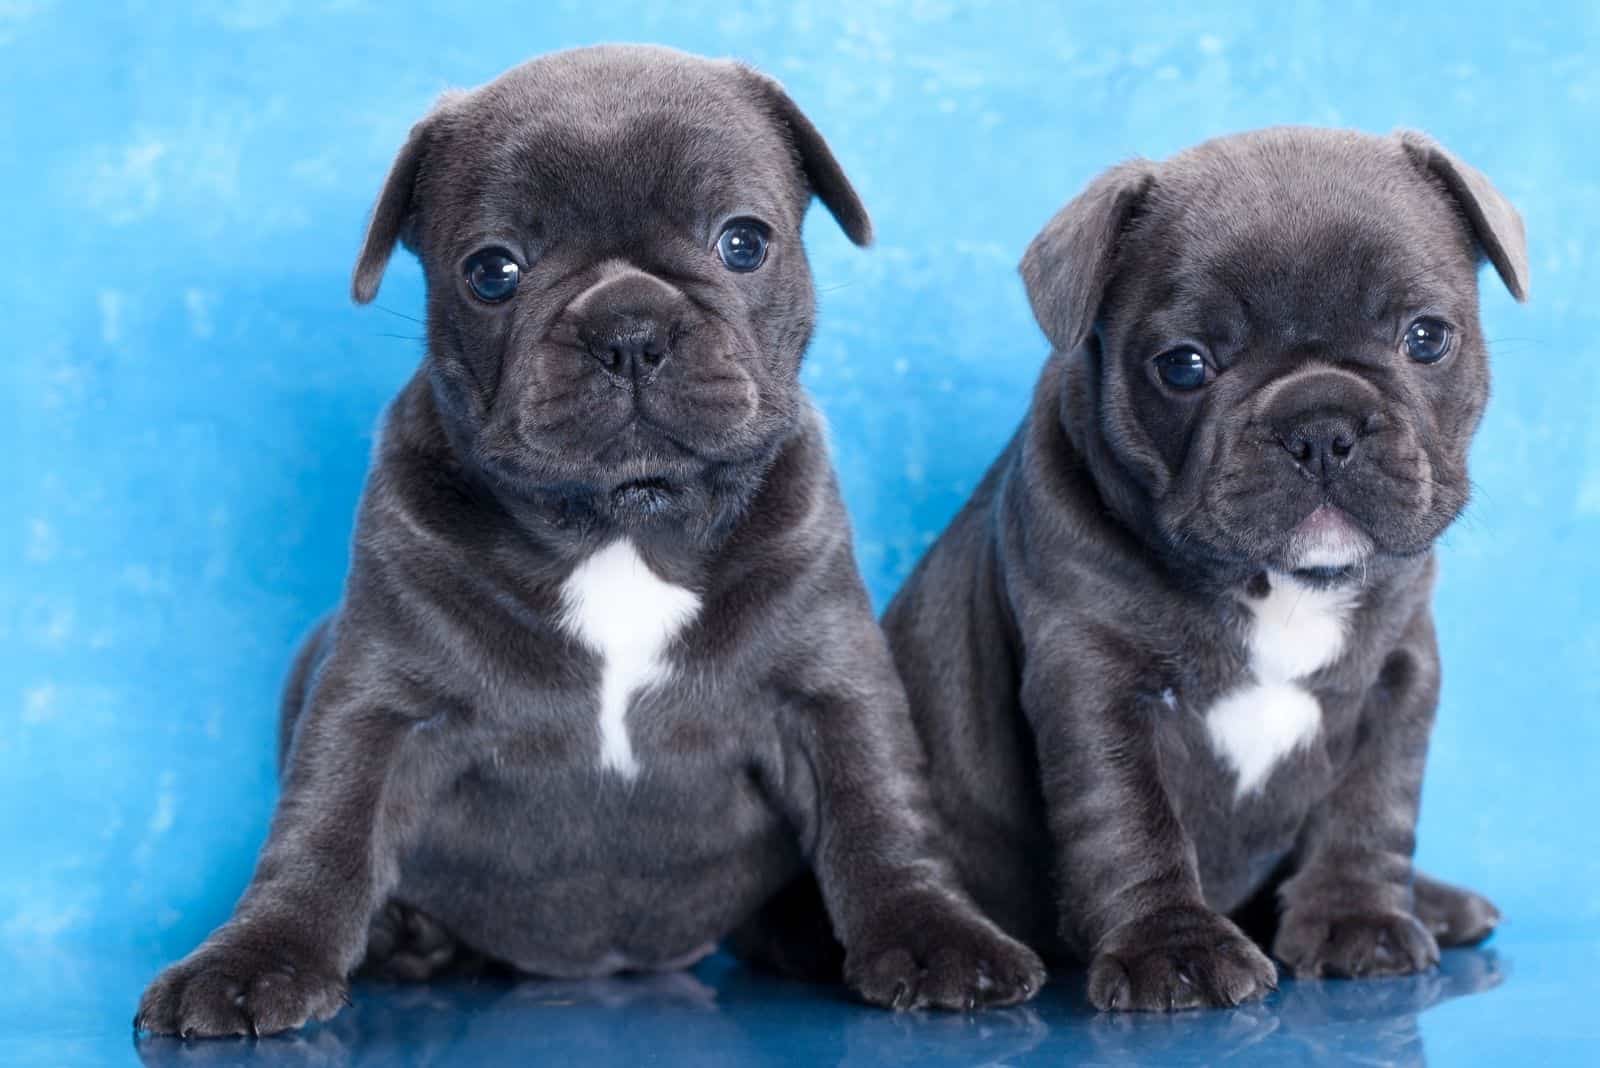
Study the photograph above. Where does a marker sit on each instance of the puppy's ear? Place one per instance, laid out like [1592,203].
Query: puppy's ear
[1495,223]
[1067,267]
[394,219]
[822,172]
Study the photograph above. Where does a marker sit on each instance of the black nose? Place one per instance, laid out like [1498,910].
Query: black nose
[630,348]
[1320,444]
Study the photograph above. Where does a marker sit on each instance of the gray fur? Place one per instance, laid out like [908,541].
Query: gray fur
[1063,639]
[439,784]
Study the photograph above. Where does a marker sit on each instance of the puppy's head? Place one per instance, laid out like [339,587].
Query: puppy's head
[1278,337]
[618,298]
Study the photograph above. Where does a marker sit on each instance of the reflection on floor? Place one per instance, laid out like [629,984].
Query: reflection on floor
[721,1014]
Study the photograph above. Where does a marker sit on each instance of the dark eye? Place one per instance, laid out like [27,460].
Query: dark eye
[1428,340]
[492,275]
[743,245]
[1182,368]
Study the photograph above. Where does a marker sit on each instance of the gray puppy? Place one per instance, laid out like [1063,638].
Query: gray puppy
[1177,653]
[604,678]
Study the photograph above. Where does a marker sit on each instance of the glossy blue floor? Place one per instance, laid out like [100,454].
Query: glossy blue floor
[191,399]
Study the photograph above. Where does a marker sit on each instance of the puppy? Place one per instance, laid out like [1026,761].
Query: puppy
[1177,652]
[604,677]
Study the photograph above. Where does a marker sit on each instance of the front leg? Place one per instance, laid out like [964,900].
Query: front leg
[912,936]
[1126,868]
[1350,908]
[348,800]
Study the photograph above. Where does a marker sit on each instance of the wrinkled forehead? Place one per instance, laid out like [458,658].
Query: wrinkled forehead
[1311,243]
[685,154]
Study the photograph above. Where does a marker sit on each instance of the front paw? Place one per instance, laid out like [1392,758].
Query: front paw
[1354,945]
[1183,958]
[940,954]
[227,987]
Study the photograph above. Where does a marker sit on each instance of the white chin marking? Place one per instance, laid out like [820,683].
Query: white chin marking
[1296,631]
[1334,544]
[627,616]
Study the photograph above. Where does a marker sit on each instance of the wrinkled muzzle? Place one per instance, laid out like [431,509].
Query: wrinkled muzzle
[632,380]
[1322,469]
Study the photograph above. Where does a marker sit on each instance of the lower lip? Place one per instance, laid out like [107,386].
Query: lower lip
[1328,537]
[645,484]
[645,495]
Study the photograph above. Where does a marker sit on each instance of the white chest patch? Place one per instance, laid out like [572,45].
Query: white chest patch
[617,607]
[1295,631]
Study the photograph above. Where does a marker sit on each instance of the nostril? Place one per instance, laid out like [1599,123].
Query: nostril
[1321,445]
[652,353]
[629,350]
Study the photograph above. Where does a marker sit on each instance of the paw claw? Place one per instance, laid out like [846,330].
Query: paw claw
[1187,958]
[942,956]
[226,988]
[1384,942]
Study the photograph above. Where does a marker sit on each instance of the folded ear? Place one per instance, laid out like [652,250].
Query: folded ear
[1067,267]
[1495,223]
[394,219]
[822,172]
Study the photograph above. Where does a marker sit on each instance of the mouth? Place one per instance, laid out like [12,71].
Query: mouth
[1326,545]
[642,497]
[639,441]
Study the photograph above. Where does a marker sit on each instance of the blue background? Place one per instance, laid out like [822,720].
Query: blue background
[189,401]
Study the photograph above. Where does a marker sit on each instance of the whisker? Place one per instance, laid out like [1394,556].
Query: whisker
[400,315]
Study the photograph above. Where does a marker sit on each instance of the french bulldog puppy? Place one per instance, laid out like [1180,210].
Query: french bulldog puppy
[604,677]
[1177,651]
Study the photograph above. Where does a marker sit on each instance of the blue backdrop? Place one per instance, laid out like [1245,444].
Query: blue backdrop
[190,400]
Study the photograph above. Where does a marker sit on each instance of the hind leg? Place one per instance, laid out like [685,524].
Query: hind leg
[407,945]
[1455,916]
